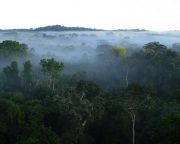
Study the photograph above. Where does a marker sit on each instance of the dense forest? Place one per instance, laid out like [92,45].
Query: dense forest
[126,96]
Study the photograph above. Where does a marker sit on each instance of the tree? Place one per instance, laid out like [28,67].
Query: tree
[12,49]
[127,63]
[136,98]
[119,51]
[159,66]
[122,53]
[51,68]
[11,121]
[166,128]
[27,75]
[12,79]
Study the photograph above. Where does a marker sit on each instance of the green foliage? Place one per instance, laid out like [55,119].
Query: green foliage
[38,135]
[12,49]
[46,108]
[11,119]
[12,70]
[89,89]
[166,131]
[27,68]
[51,66]
[12,79]
[27,76]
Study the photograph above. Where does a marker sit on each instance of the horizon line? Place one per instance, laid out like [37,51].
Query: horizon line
[98,29]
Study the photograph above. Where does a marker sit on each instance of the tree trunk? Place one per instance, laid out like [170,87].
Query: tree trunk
[133,116]
[127,75]
[53,87]
[49,82]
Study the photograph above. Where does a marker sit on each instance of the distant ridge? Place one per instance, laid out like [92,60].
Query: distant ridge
[134,30]
[63,28]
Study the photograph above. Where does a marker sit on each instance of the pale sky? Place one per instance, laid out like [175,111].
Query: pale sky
[104,14]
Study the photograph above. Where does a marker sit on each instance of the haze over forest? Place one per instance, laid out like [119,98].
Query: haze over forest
[77,85]
[109,74]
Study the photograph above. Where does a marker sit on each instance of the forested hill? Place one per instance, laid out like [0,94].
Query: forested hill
[55,28]
[64,28]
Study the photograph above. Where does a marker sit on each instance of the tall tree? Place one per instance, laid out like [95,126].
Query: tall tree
[12,49]
[51,68]
[12,79]
[136,98]
[27,75]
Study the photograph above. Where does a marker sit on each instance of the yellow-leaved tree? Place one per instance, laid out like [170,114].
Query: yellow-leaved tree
[121,52]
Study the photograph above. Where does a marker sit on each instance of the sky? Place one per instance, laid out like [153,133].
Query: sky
[104,14]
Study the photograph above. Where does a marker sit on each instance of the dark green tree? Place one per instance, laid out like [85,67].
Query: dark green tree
[27,75]
[51,68]
[11,121]
[12,50]
[12,79]
[136,98]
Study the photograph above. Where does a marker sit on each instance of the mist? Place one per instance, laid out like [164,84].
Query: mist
[69,87]
[89,52]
